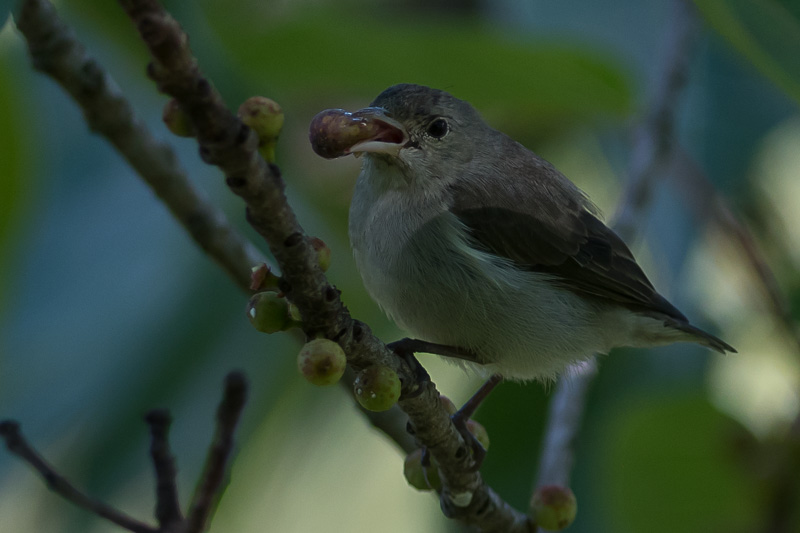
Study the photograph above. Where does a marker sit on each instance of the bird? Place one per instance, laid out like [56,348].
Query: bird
[469,240]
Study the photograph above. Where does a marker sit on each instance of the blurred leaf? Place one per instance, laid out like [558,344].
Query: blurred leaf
[5,11]
[328,54]
[766,33]
[669,470]
[13,137]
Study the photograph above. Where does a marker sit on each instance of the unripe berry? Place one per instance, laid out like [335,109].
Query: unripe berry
[262,278]
[418,476]
[413,471]
[479,432]
[269,313]
[553,507]
[322,362]
[176,120]
[448,404]
[377,388]
[294,314]
[323,253]
[265,117]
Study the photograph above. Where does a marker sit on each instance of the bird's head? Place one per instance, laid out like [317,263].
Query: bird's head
[426,134]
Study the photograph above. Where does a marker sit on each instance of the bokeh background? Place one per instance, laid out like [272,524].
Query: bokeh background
[107,309]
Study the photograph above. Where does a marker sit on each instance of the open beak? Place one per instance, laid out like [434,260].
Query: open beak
[335,133]
[384,135]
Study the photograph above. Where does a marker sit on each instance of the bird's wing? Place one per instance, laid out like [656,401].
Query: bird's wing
[545,227]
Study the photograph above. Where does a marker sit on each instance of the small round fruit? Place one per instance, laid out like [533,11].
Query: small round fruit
[265,117]
[334,131]
[553,507]
[323,253]
[479,432]
[377,388]
[262,115]
[322,362]
[268,312]
[262,278]
[176,120]
[418,476]
[448,404]
[413,471]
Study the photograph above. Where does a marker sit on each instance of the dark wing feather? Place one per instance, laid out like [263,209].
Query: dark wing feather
[568,241]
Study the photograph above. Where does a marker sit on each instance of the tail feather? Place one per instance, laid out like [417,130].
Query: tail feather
[702,337]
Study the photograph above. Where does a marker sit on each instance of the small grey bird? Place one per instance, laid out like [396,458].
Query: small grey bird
[468,239]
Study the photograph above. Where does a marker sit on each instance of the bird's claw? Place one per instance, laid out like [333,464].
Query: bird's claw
[477,451]
[421,376]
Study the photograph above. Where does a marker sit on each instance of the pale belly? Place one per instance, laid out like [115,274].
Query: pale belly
[518,323]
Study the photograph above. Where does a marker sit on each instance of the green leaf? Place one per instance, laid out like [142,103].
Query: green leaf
[766,33]
[670,467]
[329,55]
[15,187]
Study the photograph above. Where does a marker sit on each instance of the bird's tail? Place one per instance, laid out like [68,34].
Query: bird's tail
[701,337]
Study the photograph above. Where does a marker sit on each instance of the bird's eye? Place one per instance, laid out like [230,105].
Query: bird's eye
[438,128]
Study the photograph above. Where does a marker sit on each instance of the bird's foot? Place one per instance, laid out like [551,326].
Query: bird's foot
[405,351]
[462,417]
[406,348]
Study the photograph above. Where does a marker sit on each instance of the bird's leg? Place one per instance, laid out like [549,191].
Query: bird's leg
[406,348]
[469,408]
[417,345]
[461,417]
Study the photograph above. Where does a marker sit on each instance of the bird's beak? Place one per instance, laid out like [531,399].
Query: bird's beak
[336,132]
[382,134]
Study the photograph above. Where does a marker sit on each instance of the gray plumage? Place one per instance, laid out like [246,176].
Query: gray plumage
[468,239]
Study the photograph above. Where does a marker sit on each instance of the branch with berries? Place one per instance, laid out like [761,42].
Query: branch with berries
[383,376]
[243,147]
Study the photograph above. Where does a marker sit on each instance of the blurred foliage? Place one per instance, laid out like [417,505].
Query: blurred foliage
[465,55]
[108,310]
[5,11]
[669,466]
[15,143]
[766,33]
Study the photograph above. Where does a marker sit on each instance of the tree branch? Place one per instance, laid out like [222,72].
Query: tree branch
[168,508]
[654,139]
[653,145]
[208,490]
[16,444]
[56,52]
[227,143]
[168,511]
[563,425]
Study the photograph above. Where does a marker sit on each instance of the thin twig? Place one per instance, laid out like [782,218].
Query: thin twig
[654,139]
[227,143]
[16,444]
[56,52]
[653,143]
[563,425]
[208,490]
[168,510]
[168,507]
